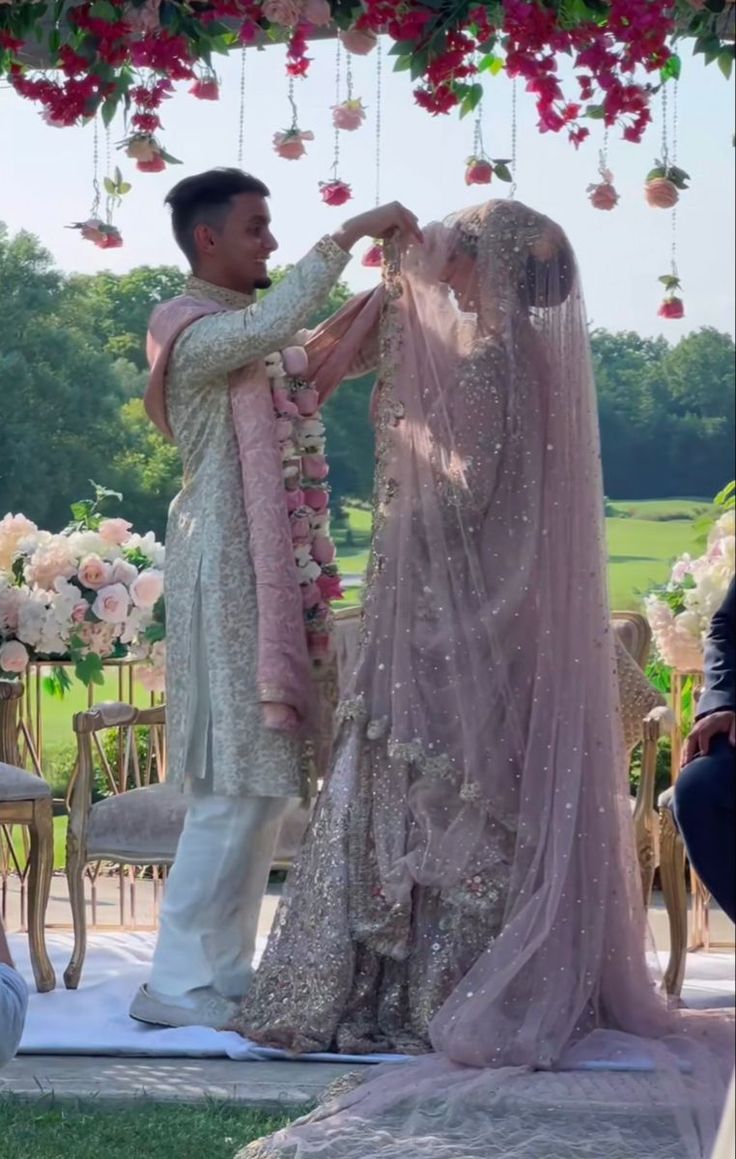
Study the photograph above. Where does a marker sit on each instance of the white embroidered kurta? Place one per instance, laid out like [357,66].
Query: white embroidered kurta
[216,739]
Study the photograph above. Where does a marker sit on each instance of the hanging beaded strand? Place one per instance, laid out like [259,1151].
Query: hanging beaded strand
[379,116]
[673,226]
[514,136]
[241,113]
[335,191]
[94,212]
[110,200]
[338,94]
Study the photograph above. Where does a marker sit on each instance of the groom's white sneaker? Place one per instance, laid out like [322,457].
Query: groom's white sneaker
[198,1008]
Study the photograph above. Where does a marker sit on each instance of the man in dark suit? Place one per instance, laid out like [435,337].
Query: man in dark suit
[705,793]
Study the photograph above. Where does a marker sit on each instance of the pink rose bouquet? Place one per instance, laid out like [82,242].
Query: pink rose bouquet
[90,593]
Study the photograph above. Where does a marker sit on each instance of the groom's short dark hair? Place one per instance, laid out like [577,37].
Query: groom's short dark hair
[204,200]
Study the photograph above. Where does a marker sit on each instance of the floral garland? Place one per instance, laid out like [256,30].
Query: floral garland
[681,610]
[301,437]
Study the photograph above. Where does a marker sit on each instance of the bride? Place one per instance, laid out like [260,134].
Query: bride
[468,885]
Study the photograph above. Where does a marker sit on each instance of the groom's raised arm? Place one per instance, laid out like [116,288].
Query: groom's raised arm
[214,346]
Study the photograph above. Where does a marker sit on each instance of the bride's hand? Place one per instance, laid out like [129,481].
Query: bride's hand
[280,717]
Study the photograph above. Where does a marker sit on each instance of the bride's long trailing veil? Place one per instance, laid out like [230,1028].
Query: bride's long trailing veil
[485,689]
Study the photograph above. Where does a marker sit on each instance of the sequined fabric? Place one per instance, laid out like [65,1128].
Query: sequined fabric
[214,716]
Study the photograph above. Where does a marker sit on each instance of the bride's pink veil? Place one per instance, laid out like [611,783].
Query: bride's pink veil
[487,665]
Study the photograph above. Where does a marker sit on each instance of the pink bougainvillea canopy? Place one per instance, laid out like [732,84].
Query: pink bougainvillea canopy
[75,58]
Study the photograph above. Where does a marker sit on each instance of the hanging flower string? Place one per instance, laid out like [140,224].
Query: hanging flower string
[479,169]
[373,257]
[301,434]
[336,192]
[348,115]
[103,234]
[602,194]
[665,181]
[289,144]
[672,307]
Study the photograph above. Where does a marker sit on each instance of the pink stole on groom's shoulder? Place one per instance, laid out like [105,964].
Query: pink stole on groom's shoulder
[283,665]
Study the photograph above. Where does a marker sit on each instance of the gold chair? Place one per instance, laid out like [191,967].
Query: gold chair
[25,800]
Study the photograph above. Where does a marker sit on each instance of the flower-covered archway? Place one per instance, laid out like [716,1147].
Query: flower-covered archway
[123,58]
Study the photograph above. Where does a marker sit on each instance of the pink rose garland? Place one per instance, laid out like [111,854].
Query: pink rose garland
[301,434]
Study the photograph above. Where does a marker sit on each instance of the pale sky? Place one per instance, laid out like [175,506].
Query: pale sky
[45,180]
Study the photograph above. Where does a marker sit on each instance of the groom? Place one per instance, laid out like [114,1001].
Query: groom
[237,665]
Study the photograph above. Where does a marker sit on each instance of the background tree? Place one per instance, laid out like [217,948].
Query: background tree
[73,371]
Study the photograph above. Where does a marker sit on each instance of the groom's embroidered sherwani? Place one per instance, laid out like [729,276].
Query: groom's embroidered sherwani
[231,594]
[214,714]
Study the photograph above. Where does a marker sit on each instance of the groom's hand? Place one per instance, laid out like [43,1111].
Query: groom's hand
[379,223]
[280,717]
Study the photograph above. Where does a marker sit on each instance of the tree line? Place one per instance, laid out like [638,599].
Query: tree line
[73,370]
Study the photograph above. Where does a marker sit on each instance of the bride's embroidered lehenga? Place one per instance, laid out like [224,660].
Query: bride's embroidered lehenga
[468,884]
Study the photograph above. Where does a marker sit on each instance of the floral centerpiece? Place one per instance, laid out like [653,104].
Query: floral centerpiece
[91,593]
[681,610]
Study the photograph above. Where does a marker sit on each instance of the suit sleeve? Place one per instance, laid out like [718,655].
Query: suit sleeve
[720,659]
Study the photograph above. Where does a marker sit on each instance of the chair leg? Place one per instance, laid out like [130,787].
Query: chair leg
[75,867]
[40,868]
[672,873]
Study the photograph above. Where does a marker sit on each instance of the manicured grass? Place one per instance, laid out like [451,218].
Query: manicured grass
[60,824]
[48,1129]
[642,543]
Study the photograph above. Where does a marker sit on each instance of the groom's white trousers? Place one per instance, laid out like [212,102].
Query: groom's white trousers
[209,916]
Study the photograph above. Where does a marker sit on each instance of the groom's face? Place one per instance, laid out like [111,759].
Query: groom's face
[238,250]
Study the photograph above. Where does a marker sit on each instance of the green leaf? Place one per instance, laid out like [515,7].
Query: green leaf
[403,64]
[110,186]
[169,159]
[402,48]
[110,108]
[502,171]
[103,493]
[124,187]
[89,669]
[653,174]
[672,70]
[104,10]
[492,64]
[419,63]
[470,98]
[595,112]
[725,63]
[58,683]
[82,510]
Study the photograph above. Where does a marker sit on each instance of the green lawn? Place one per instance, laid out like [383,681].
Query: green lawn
[48,1129]
[642,543]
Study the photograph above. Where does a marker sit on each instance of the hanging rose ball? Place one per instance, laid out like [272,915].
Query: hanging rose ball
[317,13]
[206,89]
[359,41]
[603,196]
[478,171]
[142,148]
[335,192]
[155,165]
[287,13]
[661,193]
[290,144]
[672,309]
[373,258]
[348,116]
